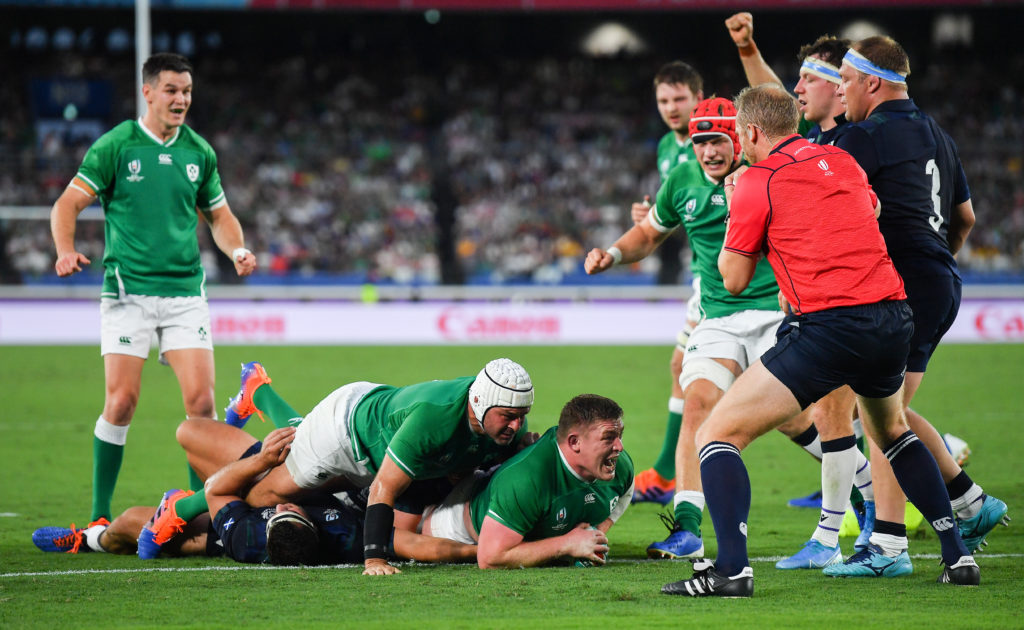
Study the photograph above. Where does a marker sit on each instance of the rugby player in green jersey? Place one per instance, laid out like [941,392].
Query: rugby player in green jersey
[677,89]
[552,501]
[154,178]
[384,437]
[734,330]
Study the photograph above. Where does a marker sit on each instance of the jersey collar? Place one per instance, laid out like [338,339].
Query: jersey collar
[565,462]
[792,138]
[155,138]
[896,105]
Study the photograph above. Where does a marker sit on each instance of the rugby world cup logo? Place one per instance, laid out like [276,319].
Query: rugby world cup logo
[134,167]
[823,165]
[192,170]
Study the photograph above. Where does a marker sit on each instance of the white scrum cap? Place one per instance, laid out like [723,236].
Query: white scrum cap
[502,383]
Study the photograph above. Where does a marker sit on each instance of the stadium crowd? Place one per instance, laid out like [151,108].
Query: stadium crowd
[495,171]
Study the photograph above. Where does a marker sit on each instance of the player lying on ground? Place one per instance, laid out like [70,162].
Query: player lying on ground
[578,487]
[323,530]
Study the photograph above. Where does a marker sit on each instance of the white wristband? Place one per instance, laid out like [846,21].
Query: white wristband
[239,253]
[616,255]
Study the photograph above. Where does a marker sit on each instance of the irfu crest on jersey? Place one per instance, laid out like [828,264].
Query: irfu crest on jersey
[192,170]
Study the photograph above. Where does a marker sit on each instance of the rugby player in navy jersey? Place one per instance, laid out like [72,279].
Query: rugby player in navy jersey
[914,168]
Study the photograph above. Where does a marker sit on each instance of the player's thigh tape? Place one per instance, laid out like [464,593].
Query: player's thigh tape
[708,369]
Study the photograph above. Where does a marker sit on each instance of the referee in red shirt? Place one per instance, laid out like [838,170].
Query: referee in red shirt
[811,211]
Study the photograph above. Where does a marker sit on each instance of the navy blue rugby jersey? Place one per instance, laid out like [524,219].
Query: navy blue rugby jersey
[914,167]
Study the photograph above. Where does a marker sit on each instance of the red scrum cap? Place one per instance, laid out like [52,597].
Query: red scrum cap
[715,117]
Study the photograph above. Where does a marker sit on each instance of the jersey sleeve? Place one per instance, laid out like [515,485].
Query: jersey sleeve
[748,214]
[98,165]
[663,216]
[961,191]
[210,195]
[514,503]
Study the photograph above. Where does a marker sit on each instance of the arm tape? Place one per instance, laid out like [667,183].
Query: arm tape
[380,519]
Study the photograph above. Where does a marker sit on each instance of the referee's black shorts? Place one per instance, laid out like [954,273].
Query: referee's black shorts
[864,347]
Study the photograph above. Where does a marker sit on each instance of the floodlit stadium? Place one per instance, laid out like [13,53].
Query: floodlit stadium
[419,185]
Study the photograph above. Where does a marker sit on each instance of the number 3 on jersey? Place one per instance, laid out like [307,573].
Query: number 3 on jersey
[932,169]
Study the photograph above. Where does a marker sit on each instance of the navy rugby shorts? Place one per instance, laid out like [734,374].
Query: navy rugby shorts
[865,347]
[933,292]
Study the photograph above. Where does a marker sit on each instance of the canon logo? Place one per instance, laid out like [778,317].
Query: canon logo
[266,326]
[457,324]
[994,322]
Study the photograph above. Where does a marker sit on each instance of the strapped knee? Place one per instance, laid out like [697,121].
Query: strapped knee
[707,369]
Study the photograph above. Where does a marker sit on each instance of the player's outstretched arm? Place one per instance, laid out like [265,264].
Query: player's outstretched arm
[741,29]
[636,244]
[430,549]
[227,234]
[75,198]
[503,548]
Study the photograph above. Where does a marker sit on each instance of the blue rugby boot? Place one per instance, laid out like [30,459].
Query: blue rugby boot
[813,500]
[242,406]
[871,562]
[867,526]
[679,544]
[974,530]
[814,555]
[64,539]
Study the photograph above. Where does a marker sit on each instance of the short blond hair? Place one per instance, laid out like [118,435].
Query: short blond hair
[769,107]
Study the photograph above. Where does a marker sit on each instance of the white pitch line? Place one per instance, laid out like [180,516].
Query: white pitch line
[267,567]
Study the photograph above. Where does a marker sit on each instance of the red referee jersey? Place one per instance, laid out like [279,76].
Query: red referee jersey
[810,210]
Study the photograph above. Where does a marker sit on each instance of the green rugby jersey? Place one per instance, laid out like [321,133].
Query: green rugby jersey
[672,154]
[692,199]
[537,495]
[425,430]
[149,191]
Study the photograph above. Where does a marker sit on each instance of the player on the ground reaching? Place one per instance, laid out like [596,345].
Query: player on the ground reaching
[381,437]
[323,530]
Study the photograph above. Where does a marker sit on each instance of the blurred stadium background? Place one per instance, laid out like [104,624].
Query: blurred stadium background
[379,149]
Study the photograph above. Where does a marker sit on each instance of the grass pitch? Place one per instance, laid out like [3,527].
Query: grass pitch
[52,397]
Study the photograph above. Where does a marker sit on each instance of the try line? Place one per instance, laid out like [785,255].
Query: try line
[267,567]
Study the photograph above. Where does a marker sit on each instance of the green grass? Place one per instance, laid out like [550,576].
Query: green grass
[52,396]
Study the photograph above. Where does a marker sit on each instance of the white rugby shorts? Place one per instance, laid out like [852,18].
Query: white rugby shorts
[132,324]
[742,337]
[322,449]
[450,518]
